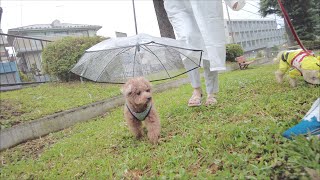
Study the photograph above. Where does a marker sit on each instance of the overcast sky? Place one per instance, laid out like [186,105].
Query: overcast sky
[112,15]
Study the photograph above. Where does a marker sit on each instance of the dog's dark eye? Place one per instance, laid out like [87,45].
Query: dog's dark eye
[148,90]
[138,93]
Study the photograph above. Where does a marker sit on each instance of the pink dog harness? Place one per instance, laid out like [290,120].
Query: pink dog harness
[142,115]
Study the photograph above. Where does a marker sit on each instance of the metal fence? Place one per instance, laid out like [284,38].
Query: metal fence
[21,60]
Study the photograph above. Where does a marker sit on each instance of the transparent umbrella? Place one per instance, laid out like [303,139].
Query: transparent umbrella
[115,60]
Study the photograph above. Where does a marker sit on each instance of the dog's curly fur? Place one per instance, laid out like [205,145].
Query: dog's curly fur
[138,95]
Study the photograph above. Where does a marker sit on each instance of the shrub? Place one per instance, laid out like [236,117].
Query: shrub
[312,45]
[24,77]
[233,51]
[60,56]
[260,54]
[275,48]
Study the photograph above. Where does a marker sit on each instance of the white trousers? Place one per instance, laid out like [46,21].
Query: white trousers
[211,77]
[200,23]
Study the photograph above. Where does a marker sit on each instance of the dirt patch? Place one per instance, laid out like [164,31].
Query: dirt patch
[30,149]
[9,110]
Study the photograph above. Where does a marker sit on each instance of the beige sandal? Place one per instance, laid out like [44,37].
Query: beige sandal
[211,100]
[195,101]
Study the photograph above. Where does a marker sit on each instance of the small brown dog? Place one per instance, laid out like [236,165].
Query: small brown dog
[139,108]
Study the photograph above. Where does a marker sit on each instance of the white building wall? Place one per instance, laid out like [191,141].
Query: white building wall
[254,34]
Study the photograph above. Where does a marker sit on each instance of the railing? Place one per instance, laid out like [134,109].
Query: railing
[21,60]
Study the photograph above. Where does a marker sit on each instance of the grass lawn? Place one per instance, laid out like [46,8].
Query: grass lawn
[35,102]
[238,138]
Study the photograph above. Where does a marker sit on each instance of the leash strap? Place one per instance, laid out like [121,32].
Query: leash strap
[286,17]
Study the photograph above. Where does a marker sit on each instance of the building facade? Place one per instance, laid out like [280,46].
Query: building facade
[253,35]
[29,42]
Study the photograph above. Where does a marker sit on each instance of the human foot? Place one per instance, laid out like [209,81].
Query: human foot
[211,100]
[195,99]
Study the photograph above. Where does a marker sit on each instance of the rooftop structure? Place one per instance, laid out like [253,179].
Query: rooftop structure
[55,30]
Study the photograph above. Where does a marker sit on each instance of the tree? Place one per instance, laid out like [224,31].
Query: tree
[302,14]
[317,18]
[165,26]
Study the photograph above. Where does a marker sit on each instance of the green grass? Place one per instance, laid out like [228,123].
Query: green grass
[238,138]
[35,102]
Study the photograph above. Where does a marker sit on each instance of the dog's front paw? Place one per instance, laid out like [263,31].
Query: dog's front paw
[153,138]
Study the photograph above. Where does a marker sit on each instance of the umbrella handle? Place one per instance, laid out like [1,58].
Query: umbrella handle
[134,16]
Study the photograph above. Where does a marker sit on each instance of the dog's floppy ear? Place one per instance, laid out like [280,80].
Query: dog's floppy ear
[126,89]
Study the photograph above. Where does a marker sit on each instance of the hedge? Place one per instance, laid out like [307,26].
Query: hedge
[312,45]
[60,56]
[233,51]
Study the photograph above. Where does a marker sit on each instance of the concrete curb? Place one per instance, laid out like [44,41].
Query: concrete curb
[15,135]
[31,130]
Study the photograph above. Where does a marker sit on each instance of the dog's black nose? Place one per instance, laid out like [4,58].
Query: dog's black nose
[149,98]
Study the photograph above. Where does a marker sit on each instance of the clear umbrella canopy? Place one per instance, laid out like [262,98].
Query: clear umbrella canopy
[116,60]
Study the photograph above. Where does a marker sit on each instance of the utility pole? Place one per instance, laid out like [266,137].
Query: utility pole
[21,13]
[0,17]
[134,16]
[230,24]
[1,10]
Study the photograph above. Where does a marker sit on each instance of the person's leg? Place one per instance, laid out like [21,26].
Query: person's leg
[181,17]
[212,84]
[209,17]
[194,77]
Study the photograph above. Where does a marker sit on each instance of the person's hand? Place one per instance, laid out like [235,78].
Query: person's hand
[234,7]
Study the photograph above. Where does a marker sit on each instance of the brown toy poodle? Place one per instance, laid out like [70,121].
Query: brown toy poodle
[139,109]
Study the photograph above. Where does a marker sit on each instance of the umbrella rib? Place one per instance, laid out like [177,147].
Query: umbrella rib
[169,51]
[124,74]
[177,47]
[149,50]
[182,54]
[92,59]
[173,48]
[134,60]
[85,60]
[120,47]
[124,50]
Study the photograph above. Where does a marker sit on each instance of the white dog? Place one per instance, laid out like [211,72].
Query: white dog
[298,63]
